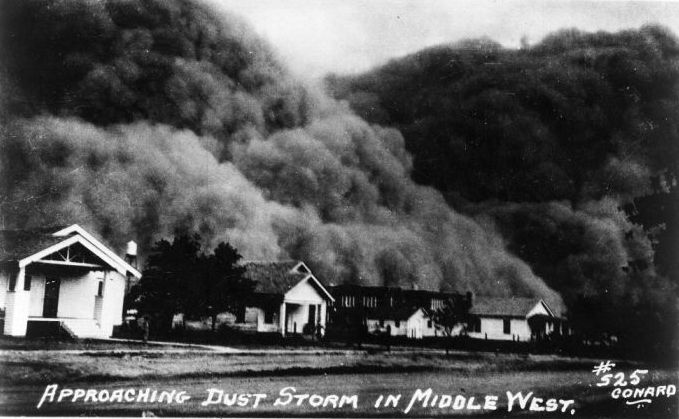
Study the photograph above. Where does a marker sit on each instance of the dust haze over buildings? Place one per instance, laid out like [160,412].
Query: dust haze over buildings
[550,143]
[138,119]
[141,118]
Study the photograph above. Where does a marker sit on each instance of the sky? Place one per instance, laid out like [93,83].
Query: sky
[316,37]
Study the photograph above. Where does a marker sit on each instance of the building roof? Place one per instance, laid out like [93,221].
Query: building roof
[505,306]
[274,277]
[17,244]
[30,245]
[280,277]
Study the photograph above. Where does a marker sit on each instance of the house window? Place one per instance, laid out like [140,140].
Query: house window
[476,325]
[397,323]
[429,324]
[348,301]
[506,326]
[268,315]
[100,289]
[240,315]
[27,283]
[12,282]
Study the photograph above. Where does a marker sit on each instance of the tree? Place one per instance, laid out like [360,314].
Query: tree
[455,312]
[179,278]
[165,287]
[223,286]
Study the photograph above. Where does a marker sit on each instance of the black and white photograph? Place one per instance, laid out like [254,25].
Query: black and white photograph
[327,208]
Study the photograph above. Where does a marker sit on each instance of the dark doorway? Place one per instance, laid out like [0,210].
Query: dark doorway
[312,316]
[51,303]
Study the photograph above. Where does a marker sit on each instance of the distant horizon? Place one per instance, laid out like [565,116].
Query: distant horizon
[316,38]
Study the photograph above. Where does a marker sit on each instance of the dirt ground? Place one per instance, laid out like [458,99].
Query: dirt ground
[207,383]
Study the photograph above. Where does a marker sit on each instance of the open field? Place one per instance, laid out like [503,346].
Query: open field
[26,373]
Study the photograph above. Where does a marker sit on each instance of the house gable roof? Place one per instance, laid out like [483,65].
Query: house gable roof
[425,313]
[507,306]
[18,244]
[28,246]
[280,277]
[118,261]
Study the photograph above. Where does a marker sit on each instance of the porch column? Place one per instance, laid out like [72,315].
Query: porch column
[322,308]
[282,319]
[17,307]
[105,321]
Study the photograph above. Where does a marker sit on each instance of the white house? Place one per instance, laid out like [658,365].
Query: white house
[288,299]
[413,323]
[510,318]
[61,277]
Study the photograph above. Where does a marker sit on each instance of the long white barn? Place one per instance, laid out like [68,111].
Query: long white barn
[63,278]
[511,318]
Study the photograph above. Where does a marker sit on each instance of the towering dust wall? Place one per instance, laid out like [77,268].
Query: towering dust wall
[140,118]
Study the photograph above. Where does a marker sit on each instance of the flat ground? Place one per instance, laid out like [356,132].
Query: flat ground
[26,373]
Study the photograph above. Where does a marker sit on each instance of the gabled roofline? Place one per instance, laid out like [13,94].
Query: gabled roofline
[65,243]
[416,311]
[47,251]
[318,283]
[311,275]
[302,264]
[91,243]
[549,310]
[538,301]
[544,305]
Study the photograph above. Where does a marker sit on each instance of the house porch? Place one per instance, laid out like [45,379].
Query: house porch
[69,295]
[301,317]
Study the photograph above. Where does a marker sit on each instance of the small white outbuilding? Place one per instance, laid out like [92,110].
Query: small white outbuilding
[61,277]
[410,322]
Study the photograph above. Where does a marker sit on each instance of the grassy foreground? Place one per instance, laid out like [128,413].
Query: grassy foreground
[26,373]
